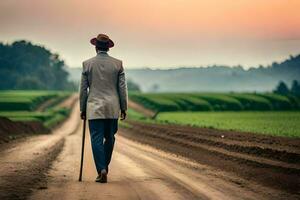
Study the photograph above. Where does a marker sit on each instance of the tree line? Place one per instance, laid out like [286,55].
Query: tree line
[283,89]
[26,66]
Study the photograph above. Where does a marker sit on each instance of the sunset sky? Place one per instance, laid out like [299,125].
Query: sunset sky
[159,33]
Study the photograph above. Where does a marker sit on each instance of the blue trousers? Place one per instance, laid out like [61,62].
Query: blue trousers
[102,138]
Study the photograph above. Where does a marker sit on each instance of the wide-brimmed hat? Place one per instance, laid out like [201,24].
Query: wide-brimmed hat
[102,40]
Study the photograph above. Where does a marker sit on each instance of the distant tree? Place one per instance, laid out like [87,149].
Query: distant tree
[24,65]
[275,64]
[132,86]
[282,88]
[295,90]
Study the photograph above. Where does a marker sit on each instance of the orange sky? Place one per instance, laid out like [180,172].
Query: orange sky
[159,33]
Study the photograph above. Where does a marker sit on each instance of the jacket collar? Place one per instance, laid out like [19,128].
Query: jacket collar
[102,53]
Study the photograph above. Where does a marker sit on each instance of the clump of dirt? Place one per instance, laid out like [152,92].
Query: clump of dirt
[10,130]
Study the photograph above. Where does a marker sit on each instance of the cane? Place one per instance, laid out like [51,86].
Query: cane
[82,150]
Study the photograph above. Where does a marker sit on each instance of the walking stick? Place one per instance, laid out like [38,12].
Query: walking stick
[82,150]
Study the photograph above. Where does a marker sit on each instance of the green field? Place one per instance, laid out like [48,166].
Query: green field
[273,123]
[163,102]
[264,113]
[22,105]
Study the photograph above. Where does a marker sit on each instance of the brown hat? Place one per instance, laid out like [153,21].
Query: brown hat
[103,40]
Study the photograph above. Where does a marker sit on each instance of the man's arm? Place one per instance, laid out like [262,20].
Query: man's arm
[83,94]
[122,88]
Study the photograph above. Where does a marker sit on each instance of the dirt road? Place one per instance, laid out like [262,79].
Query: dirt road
[138,172]
[141,171]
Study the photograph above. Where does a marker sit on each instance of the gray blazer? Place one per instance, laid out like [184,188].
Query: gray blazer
[103,89]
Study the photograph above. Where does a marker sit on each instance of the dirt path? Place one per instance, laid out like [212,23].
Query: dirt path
[65,102]
[46,104]
[139,108]
[69,102]
[139,172]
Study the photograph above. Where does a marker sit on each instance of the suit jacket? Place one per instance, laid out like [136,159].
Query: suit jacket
[103,89]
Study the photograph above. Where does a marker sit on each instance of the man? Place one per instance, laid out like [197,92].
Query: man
[103,94]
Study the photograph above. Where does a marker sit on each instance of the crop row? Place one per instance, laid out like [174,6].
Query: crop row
[215,101]
[49,118]
[25,100]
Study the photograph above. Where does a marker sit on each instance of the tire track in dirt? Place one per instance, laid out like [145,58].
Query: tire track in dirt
[18,181]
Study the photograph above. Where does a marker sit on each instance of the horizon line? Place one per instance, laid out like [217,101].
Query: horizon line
[205,66]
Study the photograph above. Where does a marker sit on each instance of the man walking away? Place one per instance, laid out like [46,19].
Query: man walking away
[103,94]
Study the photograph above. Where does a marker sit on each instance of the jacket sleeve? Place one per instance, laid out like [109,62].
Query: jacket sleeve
[83,92]
[122,88]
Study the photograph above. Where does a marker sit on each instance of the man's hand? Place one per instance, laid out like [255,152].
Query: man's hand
[83,115]
[123,114]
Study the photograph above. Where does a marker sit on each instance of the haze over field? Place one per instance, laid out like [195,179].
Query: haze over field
[212,79]
[160,34]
